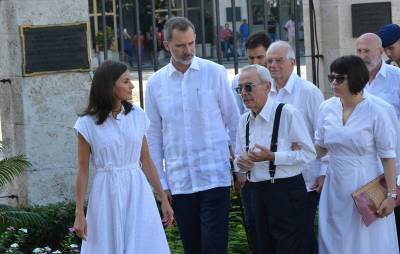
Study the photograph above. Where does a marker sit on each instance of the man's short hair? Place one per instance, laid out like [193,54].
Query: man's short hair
[355,69]
[176,23]
[263,73]
[258,39]
[283,44]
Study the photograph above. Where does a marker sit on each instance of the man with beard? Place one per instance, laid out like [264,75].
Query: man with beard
[390,36]
[384,82]
[384,79]
[193,120]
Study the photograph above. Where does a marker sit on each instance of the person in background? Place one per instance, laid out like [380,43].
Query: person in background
[227,39]
[128,49]
[390,36]
[290,29]
[272,27]
[244,35]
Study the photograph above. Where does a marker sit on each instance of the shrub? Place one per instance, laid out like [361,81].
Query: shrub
[55,235]
[100,39]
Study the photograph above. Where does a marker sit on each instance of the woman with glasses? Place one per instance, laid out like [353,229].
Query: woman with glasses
[354,128]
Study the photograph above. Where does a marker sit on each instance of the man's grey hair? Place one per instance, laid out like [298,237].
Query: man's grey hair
[282,44]
[371,36]
[176,23]
[263,73]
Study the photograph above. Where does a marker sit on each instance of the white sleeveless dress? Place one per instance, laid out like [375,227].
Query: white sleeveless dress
[122,215]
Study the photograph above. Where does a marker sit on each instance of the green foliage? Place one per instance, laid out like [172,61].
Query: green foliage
[68,245]
[11,240]
[59,217]
[174,240]
[10,168]
[16,217]
[100,39]
[237,235]
[54,233]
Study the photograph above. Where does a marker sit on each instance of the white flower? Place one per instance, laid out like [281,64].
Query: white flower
[14,245]
[47,248]
[38,250]
[73,246]
[23,230]
[56,252]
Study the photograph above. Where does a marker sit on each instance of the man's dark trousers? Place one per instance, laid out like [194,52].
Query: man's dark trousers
[203,219]
[397,216]
[248,206]
[279,215]
[310,241]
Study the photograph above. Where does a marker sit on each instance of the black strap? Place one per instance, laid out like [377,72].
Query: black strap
[274,139]
[247,133]
[247,139]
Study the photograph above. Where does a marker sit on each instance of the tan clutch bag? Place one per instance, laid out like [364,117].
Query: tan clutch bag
[369,197]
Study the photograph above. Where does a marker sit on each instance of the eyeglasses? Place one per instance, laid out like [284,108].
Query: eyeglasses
[339,78]
[248,87]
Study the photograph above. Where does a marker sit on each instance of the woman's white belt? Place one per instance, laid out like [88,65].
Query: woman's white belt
[121,168]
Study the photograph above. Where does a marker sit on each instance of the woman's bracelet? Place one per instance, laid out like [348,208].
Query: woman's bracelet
[392,195]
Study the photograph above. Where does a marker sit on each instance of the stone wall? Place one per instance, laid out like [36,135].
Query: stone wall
[37,113]
[333,18]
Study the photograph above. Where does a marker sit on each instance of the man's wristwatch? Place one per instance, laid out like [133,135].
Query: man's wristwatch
[391,195]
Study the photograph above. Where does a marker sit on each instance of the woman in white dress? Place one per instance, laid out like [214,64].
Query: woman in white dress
[354,129]
[122,215]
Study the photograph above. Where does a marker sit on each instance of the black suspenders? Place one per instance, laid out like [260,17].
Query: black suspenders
[274,138]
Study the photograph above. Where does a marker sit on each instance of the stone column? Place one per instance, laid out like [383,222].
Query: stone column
[334,28]
[37,113]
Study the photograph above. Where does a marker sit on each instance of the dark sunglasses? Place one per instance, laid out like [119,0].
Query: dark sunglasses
[339,78]
[247,87]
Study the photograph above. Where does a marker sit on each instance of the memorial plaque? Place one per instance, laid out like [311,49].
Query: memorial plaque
[57,48]
[369,17]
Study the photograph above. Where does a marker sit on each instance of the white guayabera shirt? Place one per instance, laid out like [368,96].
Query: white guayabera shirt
[193,118]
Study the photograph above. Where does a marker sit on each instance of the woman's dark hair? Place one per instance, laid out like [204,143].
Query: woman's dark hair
[101,96]
[355,69]
[258,39]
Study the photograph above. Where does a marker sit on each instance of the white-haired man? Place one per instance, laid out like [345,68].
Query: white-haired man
[288,87]
[278,187]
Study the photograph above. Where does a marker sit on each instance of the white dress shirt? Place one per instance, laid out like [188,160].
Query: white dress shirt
[386,85]
[291,129]
[193,118]
[306,98]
